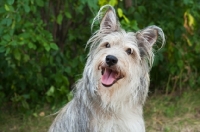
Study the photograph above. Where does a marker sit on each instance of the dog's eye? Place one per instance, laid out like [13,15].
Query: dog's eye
[129,51]
[107,45]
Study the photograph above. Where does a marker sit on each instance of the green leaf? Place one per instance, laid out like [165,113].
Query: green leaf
[126,19]
[2,49]
[180,63]
[47,47]
[13,43]
[102,2]
[26,58]
[51,91]
[35,114]
[7,37]
[141,9]
[69,96]
[9,21]
[10,2]
[187,2]
[65,80]
[68,15]
[68,70]
[31,45]
[63,89]
[13,25]
[40,3]
[59,19]
[54,46]
[25,104]
[120,12]
[92,4]
[27,8]
[26,96]
[113,2]
[6,7]
[17,54]
[18,17]
[7,51]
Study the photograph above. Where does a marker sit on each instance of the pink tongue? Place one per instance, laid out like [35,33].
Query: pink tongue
[108,77]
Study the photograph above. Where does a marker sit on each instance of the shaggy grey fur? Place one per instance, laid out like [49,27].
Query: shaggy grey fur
[99,108]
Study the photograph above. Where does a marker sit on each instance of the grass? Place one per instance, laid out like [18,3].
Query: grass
[174,113]
[19,122]
[163,113]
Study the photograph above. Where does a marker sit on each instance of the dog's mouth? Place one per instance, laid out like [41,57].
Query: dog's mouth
[109,76]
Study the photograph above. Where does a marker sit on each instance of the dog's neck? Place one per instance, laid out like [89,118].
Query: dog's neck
[120,116]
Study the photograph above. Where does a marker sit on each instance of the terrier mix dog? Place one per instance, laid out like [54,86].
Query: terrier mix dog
[111,94]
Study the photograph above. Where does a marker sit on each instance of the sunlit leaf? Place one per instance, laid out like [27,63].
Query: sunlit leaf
[6,7]
[191,20]
[120,12]
[51,91]
[113,2]
[102,2]
[126,19]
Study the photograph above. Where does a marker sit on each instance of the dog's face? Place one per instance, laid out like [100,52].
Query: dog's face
[117,59]
[120,59]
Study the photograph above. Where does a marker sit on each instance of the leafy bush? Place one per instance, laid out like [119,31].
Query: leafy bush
[42,45]
[41,50]
[176,65]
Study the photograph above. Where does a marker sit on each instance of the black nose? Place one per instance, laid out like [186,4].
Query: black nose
[111,60]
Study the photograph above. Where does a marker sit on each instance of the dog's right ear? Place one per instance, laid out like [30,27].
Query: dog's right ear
[109,22]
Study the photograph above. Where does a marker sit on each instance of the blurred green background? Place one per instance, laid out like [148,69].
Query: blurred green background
[42,54]
[42,46]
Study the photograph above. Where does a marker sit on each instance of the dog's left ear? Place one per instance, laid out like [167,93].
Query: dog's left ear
[148,36]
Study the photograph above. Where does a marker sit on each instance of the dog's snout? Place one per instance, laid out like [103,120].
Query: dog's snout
[111,60]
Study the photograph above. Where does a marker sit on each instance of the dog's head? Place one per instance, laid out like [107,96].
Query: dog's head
[119,59]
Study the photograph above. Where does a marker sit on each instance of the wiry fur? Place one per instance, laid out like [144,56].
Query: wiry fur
[117,108]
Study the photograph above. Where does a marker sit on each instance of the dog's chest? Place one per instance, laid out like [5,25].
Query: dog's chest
[125,122]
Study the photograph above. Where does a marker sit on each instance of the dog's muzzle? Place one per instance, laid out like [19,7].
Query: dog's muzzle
[110,73]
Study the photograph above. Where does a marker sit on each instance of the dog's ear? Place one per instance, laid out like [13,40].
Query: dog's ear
[109,22]
[147,37]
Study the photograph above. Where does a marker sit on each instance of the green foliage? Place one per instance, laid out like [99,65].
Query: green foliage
[42,45]
[178,61]
[40,50]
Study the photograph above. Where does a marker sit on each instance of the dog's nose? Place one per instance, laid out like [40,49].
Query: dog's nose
[111,60]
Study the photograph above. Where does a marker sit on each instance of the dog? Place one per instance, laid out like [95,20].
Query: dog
[112,91]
